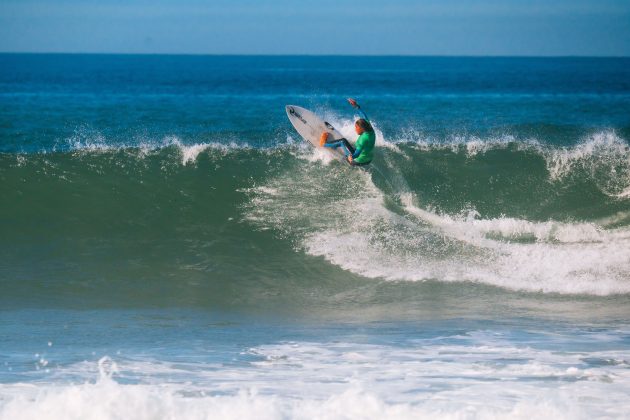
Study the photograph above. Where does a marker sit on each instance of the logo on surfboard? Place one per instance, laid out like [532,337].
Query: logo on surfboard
[298,116]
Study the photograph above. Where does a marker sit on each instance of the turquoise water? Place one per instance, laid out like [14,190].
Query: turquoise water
[170,247]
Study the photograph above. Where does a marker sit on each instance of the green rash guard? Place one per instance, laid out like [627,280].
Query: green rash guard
[365,142]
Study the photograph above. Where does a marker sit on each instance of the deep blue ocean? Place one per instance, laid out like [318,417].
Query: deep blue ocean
[171,248]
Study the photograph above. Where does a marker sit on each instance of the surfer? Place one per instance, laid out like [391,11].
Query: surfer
[362,152]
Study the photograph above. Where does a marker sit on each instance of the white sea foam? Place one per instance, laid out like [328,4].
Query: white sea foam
[86,141]
[315,154]
[601,148]
[480,375]
[604,156]
[361,235]
[471,144]
[563,258]
[190,153]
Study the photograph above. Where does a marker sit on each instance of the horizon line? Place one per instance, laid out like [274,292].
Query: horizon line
[308,55]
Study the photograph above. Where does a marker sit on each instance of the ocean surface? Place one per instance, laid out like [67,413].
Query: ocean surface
[170,247]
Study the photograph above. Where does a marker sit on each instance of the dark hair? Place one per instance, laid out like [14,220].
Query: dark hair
[365,125]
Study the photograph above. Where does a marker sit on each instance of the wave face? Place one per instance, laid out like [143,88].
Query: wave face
[519,215]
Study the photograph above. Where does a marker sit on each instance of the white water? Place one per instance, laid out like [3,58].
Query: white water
[479,375]
[359,233]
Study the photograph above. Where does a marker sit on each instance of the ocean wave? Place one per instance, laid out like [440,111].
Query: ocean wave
[603,156]
[451,213]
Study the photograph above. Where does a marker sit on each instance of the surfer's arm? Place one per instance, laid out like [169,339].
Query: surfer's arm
[356,106]
[363,114]
[357,152]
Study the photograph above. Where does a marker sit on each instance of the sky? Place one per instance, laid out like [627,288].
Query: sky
[324,27]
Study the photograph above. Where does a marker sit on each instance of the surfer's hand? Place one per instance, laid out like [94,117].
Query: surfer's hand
[350,158]
[353,103]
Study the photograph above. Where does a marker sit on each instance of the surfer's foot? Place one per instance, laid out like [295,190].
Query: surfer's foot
[323,138]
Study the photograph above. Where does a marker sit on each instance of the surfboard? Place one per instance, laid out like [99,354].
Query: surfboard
[311,127]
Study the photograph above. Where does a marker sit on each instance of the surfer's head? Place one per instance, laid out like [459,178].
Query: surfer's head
[363,126]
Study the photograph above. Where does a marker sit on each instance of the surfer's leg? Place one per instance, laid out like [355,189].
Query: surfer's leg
[334,144]
[341,142]
[348,146]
